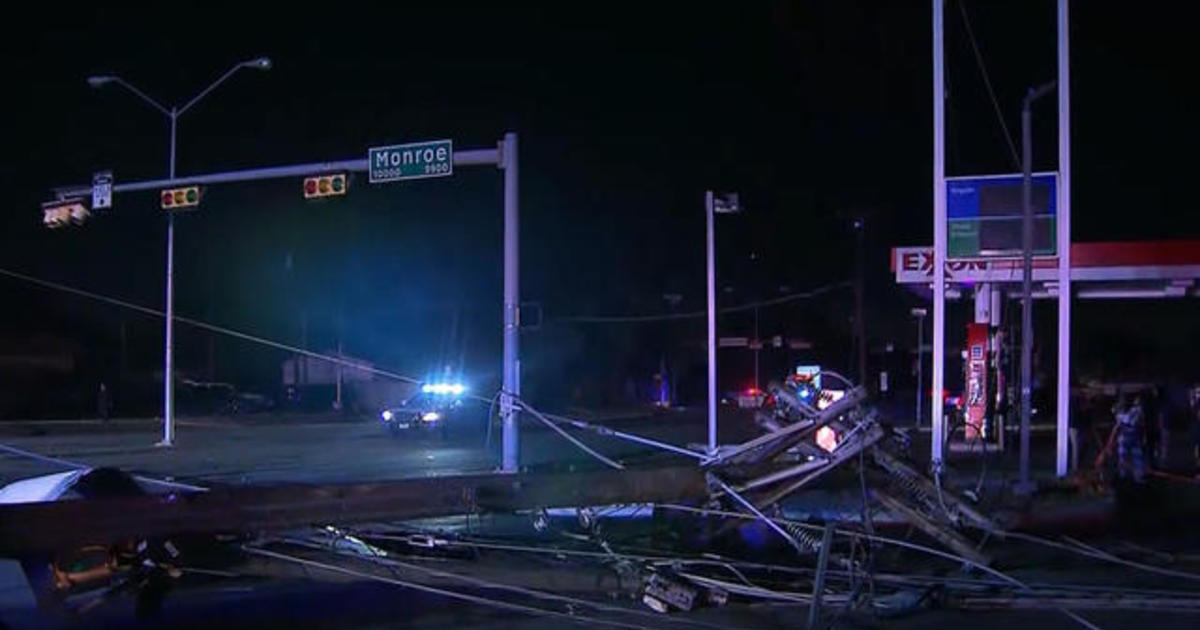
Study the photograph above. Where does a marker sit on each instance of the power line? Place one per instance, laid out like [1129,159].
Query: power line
[517,401]
[630,319]
[987,82]
[209,327]
[466,597]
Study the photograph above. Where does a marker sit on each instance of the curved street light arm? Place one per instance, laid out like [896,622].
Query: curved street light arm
[140,94]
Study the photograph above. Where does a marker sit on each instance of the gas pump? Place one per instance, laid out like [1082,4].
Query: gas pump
[982,420]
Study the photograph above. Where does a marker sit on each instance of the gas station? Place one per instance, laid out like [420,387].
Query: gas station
[1010,234]
[1162,270]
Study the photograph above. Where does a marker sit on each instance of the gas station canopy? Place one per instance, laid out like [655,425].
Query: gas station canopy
[1112,270]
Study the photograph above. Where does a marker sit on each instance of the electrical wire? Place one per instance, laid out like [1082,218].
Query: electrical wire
[12,450]
[987,82]
[209,327]
[1099,555]
[342,362]
[557,429]
[473,599]
[631,319]
[891,541]
[548,596]
[392,563]
[730,563]
[281,346]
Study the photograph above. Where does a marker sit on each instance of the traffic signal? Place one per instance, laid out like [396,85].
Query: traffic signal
[178,198]
[324,185]
[56,214]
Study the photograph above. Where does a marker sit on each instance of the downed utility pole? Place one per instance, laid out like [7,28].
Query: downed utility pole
[33,527]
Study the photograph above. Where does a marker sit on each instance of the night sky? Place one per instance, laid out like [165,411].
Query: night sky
[814,112]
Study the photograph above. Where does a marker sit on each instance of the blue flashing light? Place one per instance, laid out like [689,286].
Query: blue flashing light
[444,389]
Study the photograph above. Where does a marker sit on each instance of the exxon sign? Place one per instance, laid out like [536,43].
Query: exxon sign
[417,160]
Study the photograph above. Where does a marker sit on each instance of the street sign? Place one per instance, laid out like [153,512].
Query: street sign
[984,216]
[102,190]
[417,160]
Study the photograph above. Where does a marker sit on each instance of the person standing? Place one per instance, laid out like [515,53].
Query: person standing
[1131,459]
[103,403]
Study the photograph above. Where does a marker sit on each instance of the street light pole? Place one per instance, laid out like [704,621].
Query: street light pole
[261,63]
[919,313]
[712,325]
[725,204]
[168,438]
[1025,485]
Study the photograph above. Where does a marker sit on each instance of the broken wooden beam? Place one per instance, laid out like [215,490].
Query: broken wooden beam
[937,531]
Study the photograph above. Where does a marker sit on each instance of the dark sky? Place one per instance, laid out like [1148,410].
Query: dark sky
[814,111]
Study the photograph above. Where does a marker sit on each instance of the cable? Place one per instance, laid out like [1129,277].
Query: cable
[474,599]
[79,466]
[730,563]
[545,595]
[209,327]
[891,541]
[557,429]
[987,82]
[331,359]
[603,430]
[628,319]
[1103,556]
[392,563]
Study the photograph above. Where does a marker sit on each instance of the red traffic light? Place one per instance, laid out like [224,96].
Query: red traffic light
[324,185]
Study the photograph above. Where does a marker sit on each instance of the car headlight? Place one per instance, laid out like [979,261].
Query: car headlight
[431,416]
[386,415]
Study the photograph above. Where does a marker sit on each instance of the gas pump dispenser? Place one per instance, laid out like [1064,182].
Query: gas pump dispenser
[982,420]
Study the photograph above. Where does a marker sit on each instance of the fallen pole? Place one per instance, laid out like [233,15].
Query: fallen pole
[33,527]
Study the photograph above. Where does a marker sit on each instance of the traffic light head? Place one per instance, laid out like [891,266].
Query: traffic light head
[324,185]
[180,198]
[56,214]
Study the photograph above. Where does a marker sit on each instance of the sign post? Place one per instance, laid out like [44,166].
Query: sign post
[417,160]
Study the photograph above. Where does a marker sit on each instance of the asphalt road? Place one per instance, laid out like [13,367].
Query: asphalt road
[269,448]
[277,449]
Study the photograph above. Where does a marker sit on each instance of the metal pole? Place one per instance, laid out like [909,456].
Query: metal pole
[337,401]
[939,236]
[757,349]
[920,365]
[510,457]
[1063,385]
[712,325]
[472,157]
[168,438]
[1026,287]
[814,608]
[860,324]
[1024,484]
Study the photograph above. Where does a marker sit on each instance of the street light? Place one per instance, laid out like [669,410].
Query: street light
[920,313]
[172,114]
[1025,486]
[713,204]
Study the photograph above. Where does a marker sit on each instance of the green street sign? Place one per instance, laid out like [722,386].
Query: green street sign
[417,160]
